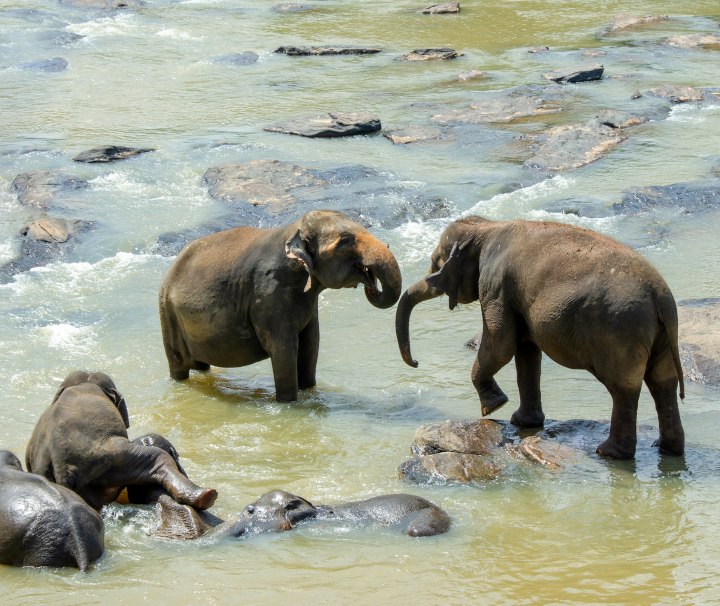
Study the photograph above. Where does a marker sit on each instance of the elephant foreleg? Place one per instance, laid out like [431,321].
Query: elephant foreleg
[308,348]
[527,364]
[284,358]
[662,382]
[497,347]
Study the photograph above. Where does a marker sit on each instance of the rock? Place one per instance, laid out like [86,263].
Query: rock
[472,437]
[539,450]
[109,153]
[412,134]
[625,21]
[699,342]
[105,4]
[442,9]
[50,229]
[260,182]
[305,51]
[292,7]
[583,74]
[473,74]
[56,64]
[677,94]
[244,58]
[431,54]
[449,467]
[619,119]
[506,108]
[329,125]
[38,188]
[707,41]
[536,50]
[692,198]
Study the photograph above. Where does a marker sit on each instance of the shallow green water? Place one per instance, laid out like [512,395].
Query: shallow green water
[598,532]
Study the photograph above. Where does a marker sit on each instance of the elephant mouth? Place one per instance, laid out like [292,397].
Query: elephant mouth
[369,280]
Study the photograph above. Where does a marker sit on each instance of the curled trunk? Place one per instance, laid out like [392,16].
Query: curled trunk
[380,264]
[418,292]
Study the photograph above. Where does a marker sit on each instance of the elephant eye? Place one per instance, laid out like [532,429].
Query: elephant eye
[346,240]
[292,505]
[250,509]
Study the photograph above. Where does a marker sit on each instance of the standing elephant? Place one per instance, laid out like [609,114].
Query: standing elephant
[81,442]
[584,299]
[43,524]
[242,295]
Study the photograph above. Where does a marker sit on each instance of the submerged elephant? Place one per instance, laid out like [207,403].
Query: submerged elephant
[81,442]
[43,524]
[584,299]
[245,294]
[278,511]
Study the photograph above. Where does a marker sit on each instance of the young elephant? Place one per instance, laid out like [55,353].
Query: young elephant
[81,442]
[43,524]
[278,511]
[245,294]
[584,299]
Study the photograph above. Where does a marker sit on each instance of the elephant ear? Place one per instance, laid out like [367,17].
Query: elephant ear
[120,404]
[446,278]
[298,248]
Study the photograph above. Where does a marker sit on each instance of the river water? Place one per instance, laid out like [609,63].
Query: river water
[597,532]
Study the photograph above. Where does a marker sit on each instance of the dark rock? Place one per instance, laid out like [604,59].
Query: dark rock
[56,64]
[110,153]
[260,182]
[329,125]
[706,41]
[625,22]
[474,437]
[693,197]
[412,134]
[449,467]
[305,51]
[431,54]
[444,8]
[38,188]
[583,74]
[292,7]
[677,94]
[504,108]
[244,58]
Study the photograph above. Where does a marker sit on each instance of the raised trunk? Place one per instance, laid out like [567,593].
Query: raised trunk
[382,266]
[417,293]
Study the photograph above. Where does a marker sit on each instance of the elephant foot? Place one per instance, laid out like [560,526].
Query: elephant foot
[203,499]
[201,366]
[179,375]
[491,398]
[674,448]
[528,418]
[612,450]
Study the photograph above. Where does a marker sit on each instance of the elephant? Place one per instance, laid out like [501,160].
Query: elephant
[43,524]
[81,442]
[278,511]
[242,295]
[585,300]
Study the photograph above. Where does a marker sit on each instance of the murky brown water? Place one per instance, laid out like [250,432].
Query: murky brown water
[599,532]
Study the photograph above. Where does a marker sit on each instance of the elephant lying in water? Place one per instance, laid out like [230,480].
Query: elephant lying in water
[584,299]
[81,442]
[245,294]
[43,524]
[278,511]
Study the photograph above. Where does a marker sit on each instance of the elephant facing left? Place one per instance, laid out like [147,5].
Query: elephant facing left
[245,294]
[81,442]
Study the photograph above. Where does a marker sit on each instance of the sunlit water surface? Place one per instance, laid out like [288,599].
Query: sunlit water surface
[598,532]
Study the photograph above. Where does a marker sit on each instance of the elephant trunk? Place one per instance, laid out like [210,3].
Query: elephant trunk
[417,293]
[379,264]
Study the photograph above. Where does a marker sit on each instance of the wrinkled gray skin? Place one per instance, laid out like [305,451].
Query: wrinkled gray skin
[81,442]
[43,524]
[278,511]
[584,299]
[245,294]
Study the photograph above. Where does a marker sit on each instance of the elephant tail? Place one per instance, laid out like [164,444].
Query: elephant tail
[667,311]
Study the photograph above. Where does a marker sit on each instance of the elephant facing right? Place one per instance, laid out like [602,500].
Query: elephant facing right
[586,300]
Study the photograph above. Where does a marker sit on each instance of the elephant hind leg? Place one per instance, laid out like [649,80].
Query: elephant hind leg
[661,379]
[176,350]
[622,441]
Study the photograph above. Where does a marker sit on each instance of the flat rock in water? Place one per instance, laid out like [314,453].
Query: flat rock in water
[551,455]
[431,54]
[110,153]
[37,188]
[692,198]
[56,64]
[500,109]
[449,467]
[260,182]
[308,51]
[481,437]
[707,41]
[582,74]
[50,229]
[625,22]
[412,134]
[243,58]
[328,125]
[445,8]
[700,340]
[105,4]
[677,94]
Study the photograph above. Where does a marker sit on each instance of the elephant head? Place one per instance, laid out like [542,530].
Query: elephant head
[454,272]
[104,382]
[8,459]
[275,511]
[337,252]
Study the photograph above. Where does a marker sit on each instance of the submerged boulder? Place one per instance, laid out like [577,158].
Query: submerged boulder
[691,198]
[56,64]
[449,467]
[52,230]
[475,437]
[431,54]
[242,58]
[706,41]
[503,108]
[677,94]
[581,74]
[292,7]
[38,188]
[306,51]
[544,452]
[110,153]
[444,8]
[626,21]
[412,134]
[105,4]
[334,124]
[699,343]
